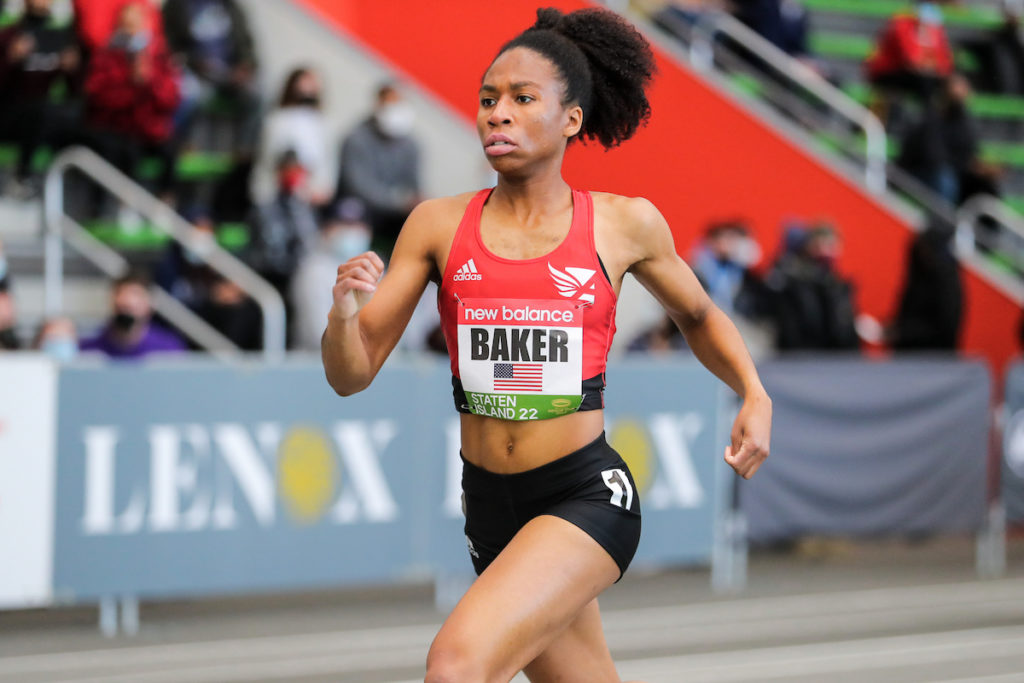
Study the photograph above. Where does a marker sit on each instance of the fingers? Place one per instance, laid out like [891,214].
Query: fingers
[371,265]
[360,275]
[745,460]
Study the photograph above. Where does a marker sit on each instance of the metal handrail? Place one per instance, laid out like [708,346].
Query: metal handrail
[59,226]
[986,205]
[701,53]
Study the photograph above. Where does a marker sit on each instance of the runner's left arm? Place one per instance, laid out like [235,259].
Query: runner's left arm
[714,339]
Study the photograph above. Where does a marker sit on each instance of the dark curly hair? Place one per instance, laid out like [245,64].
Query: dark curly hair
[605,66]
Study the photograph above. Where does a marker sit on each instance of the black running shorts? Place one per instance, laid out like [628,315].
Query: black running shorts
[591,487]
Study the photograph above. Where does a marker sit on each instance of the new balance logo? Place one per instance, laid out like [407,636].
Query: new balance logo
[572,284]
[467,272]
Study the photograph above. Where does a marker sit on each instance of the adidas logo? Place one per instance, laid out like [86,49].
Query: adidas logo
[467,272]
[572,283]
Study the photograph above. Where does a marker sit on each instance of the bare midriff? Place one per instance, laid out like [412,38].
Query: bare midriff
[507,447]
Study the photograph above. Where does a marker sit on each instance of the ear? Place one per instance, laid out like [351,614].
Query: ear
[573,121]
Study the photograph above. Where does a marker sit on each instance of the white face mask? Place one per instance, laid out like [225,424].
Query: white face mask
[395,120]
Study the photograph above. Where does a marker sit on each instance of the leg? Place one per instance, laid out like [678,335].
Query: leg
[525,600]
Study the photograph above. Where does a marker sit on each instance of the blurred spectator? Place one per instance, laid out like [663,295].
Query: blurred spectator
[296,125]
[184,274]
[913,53]
[131,332]
[96,21]
[234,314]
[811,304]
[131,94]
[212,42]
[931,306]
[662,338]
[5,270]
[36,58]
[722,262]
[56,337]
[284,229]
[1001,54]
[343,235]
[8,335]
[942,148]
[783,23]
[181,271]
[380,164]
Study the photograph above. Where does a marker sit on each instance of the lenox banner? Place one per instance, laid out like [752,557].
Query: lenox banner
[198,478]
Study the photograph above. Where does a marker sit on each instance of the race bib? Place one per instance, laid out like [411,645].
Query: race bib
[521,359]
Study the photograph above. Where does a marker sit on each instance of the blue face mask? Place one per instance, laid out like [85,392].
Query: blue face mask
[349,243]
[61,349]
[929,13]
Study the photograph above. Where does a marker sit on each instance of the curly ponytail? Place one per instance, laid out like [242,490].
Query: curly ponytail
[605,65]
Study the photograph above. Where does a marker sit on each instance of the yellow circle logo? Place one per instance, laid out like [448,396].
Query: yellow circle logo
[308,474]
[629,438]
[561,402]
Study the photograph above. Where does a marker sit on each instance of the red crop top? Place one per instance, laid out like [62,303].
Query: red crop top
[528,338]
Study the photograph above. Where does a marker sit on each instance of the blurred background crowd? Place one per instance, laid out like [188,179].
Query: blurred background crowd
[171,94]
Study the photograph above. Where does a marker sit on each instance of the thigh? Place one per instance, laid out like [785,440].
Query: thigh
[578,655]
[526,598]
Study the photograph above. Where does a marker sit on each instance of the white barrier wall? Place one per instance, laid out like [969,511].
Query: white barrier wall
[28,408]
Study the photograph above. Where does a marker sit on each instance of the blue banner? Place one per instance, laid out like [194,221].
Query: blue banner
[194,478]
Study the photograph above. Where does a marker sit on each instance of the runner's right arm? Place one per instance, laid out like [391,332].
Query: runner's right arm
[370,313]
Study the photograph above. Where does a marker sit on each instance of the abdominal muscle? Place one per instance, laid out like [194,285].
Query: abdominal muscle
[507,447]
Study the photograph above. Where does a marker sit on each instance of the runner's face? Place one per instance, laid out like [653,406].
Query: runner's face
[521,118]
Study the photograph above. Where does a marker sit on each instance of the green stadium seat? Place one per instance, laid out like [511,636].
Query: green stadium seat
[195,166]
[964,16]
[1005,153]
[146,237]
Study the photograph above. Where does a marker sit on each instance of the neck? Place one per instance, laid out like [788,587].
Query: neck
[540,191]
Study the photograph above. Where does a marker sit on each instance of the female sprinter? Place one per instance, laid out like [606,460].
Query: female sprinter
[529,272]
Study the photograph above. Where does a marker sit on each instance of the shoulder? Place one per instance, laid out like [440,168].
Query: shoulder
[432,224]
[443,208]
[636,216]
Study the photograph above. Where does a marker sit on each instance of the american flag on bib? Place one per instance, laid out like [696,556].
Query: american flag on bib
[518,377]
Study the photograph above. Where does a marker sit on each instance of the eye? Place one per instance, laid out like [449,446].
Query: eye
[487,101]
[524,99]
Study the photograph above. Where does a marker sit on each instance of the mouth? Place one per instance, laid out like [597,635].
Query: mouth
[497,144]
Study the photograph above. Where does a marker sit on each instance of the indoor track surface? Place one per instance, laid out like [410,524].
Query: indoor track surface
[831,612]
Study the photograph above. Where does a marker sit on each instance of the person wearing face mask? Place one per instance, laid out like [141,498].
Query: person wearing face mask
[380,162]
[284,229]
[130,331]
[131,95]
[56,337]
[722,262]
[343,234]
[297,124]
[913,55]
[810,303]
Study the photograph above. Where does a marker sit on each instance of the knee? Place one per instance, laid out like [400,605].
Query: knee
[449,663]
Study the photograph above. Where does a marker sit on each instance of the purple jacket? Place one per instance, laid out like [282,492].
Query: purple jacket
[155,340]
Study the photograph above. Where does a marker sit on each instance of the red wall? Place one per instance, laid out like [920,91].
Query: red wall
[701,157]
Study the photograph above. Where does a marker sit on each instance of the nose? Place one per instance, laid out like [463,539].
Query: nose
[499,114]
